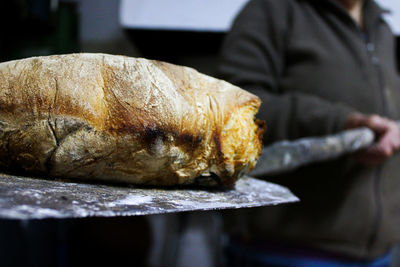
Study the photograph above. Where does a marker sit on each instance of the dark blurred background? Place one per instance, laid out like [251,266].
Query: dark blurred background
[46,27]
[38,27]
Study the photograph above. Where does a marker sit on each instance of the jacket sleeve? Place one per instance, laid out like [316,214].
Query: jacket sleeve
[253,58]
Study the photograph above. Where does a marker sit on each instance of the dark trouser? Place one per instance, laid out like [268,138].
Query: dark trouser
[244,256]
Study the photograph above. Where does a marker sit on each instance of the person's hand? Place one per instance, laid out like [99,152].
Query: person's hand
[387,137]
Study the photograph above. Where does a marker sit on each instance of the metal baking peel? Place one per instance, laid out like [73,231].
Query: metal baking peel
[286,156]
[28,198]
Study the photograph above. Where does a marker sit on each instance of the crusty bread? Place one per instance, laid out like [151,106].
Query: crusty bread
[115,118]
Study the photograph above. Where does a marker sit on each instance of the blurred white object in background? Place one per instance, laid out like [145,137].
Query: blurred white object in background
[204,15]
[193,15]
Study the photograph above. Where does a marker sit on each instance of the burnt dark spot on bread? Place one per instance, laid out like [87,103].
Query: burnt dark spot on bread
[186,138]
[262,127]
[189,142]
[216,136]
[153,133]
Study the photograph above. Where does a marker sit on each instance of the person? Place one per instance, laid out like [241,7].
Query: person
[319,67]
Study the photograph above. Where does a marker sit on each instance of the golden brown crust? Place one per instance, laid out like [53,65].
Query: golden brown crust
[98,116]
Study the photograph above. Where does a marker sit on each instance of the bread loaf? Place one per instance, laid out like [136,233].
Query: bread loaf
[115,118]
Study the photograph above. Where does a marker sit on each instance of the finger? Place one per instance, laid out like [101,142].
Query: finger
[378,151]
[383,149]
[375,154]
[377,123]
[390,140]
[395,136]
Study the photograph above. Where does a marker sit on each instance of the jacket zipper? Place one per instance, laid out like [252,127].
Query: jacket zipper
[385,111]
[378,215]
[381,83]
[378,172]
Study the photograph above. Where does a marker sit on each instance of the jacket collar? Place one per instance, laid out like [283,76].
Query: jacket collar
[372,13]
